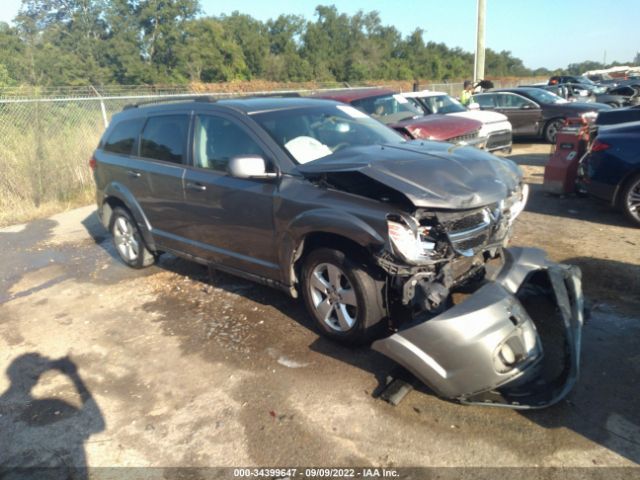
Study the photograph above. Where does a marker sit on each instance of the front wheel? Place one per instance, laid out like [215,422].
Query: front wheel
[552,129]
[630,200]
[344,299]
[128,241]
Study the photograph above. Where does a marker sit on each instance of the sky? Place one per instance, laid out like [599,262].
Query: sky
[543,33]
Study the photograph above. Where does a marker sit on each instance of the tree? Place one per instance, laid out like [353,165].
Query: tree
[208,55]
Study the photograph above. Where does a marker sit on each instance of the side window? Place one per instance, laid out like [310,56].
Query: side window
[508,100]
[165,137]
[123,136]
[217,140]
[485,101]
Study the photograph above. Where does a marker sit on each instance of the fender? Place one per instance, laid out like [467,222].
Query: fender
[119,191]
[322,220]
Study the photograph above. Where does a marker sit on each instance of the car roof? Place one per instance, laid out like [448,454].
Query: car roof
[513,90]
[424,93]
[351,94]
[247,105]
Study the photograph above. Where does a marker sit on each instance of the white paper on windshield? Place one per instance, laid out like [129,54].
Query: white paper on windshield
[305,149]
[400,99]
[352,112]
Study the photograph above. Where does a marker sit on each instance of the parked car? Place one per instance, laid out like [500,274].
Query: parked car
[534,111]
[574,92]
[611,168]
[374,232]
[496,128]
[407,116]
[577,79]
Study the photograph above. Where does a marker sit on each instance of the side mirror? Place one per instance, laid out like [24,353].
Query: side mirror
[252,166]
[526,106]
[473,106]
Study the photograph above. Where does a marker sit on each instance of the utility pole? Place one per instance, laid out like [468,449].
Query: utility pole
[478,67]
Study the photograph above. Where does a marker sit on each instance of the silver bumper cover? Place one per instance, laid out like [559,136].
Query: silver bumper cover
[514,342]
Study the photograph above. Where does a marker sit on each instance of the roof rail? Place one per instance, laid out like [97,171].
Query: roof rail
[172,98]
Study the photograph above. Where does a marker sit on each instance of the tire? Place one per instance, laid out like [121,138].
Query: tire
[551,129]
[128,241]
[344,299]
[630,200]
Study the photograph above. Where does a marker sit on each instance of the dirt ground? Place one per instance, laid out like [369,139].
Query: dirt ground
[168,367]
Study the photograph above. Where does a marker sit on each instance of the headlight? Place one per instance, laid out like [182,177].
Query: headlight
[589,116]
[519,203]
[407,241]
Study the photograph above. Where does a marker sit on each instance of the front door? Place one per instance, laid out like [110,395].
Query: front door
[525,116]
[228,220]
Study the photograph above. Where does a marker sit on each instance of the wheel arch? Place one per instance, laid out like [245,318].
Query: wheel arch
[328,229]
[116,195]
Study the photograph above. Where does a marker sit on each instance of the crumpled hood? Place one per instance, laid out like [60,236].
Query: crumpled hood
[483,116]
[430,174]
[438,127]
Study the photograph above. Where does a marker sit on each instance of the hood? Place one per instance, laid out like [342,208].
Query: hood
[483,116]
[438,127]
[430,174]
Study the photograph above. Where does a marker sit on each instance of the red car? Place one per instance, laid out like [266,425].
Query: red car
[407,116]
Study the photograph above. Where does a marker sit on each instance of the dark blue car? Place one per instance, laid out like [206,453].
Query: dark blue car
[611,168]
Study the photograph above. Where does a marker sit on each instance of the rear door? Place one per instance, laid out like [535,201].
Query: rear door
[115,155]
[524,114]
[229,220]
[157,180]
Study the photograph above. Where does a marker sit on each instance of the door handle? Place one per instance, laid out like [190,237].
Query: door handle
[196,186]
[133,173]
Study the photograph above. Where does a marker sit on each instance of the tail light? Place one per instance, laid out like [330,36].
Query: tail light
[92,162]
[599,146]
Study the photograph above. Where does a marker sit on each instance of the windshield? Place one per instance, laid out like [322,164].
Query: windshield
[543,96]
[585,81]
[442,104]
[390,108]
[315,132]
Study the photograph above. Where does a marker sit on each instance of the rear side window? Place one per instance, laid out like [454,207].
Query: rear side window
[123,136]
[165,137]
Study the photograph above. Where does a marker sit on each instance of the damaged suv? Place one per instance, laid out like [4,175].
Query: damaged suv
[398,242]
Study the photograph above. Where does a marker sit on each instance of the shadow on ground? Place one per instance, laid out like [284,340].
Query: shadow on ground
[44,437]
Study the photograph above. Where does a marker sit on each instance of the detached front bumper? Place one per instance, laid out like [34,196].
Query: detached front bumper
[514,342]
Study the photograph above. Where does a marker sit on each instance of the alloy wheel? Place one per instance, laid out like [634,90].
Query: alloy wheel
[124,236]
[333,297]
[633,200]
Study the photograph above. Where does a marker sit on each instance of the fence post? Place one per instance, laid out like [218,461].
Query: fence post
[103,109]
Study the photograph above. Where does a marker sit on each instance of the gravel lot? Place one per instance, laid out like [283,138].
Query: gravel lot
[183,369]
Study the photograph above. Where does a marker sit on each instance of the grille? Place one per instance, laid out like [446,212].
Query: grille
[498,140]
[464,138]
[468,231]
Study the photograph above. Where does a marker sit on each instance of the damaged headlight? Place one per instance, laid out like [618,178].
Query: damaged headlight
[408,241]
[519,202]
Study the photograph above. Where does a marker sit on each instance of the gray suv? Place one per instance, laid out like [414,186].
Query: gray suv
[397,242]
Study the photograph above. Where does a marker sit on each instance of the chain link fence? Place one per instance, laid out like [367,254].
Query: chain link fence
[48,135]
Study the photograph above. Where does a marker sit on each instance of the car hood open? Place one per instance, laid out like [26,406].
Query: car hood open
[430,174]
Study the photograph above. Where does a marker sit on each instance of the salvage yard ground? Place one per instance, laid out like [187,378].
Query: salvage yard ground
[183,369]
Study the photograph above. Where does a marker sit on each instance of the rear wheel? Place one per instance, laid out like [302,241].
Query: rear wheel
[552,128]
[630,200]
[128,240]
[344,299]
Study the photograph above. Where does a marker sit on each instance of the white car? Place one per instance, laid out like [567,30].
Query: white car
[495,126]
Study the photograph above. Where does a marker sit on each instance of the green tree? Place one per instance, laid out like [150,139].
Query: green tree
[208,55]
